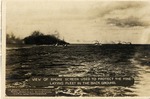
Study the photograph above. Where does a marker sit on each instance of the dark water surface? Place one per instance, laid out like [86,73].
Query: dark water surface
[25,62]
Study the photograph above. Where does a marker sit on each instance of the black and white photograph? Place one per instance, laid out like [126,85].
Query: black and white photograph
[77,48]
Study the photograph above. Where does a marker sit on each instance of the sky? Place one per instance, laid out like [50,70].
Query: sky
[81,21]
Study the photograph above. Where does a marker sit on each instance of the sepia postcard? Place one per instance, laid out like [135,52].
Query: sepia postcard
[75,49]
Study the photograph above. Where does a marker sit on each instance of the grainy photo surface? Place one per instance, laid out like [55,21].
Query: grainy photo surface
[77,48]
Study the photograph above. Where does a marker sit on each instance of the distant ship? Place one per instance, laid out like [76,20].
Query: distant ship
[124,42]
[57,44]
[97,43]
